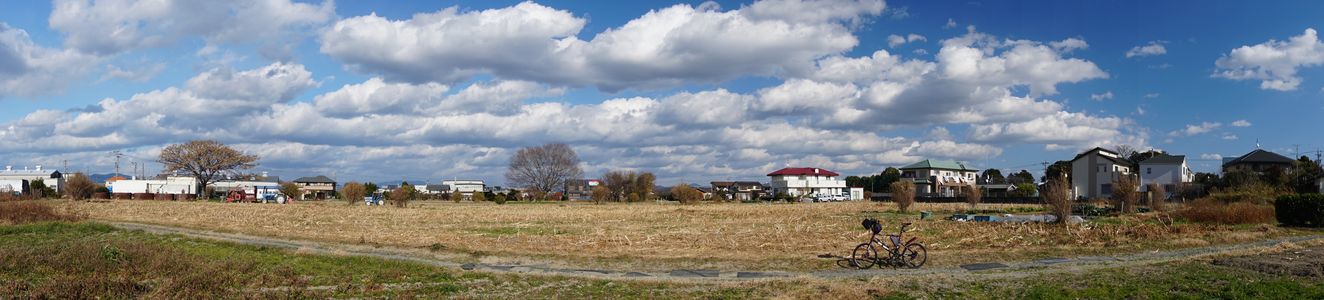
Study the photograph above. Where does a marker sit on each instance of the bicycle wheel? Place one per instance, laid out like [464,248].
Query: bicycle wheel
[864,256]
[914,255]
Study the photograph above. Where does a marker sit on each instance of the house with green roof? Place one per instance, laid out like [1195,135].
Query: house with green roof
[943,178]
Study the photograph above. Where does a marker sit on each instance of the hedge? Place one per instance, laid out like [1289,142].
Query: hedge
[1304,210]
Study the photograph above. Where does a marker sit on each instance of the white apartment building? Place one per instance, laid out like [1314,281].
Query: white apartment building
[811,182]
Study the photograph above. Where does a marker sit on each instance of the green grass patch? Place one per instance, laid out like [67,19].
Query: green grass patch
[89,260]
[1187,280]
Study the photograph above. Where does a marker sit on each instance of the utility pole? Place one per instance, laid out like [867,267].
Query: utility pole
[117,154]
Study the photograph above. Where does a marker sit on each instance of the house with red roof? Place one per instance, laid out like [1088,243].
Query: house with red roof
[808,182]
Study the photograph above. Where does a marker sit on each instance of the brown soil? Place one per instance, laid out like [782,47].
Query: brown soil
[1307,262]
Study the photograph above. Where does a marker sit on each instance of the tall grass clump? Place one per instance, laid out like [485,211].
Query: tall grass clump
[21,212]
[1157,197]
[1056,200]
[1209,210]
[903,192]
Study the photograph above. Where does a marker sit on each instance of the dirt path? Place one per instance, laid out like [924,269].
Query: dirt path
[997,270]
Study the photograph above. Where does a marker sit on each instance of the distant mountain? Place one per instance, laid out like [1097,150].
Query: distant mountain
[101,178]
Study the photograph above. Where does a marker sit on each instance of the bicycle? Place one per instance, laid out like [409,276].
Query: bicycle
[910,254]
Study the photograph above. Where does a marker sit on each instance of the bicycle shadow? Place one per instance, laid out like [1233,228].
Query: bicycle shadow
[841,261]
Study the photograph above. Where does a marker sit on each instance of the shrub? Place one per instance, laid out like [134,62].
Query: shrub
[291,191]
[1056,200]
[402,195]
[686,194]
[79,187]
[1124,192]
[1157,197]
[972,195]
[600,194]
[353,192]
[478,197]
[1207,210]
[1305,210]
[19,212]
[903,192]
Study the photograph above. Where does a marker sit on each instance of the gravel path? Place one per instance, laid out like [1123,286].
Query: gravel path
[987,270]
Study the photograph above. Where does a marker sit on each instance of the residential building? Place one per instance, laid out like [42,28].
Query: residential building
[52,178]
[807,182]
[253,187]
[738,190]
[942,178]
[316,187]
[706,191]
[997,189]
[1094,171]
[160,185]
[433,189]
[465,187]
[581,189]
[1258,161]
[1170,171]
[856,194]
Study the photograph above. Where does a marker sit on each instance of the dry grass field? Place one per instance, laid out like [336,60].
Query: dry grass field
[652,236]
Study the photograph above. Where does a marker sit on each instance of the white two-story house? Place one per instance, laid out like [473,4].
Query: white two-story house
[809,182]
[1094,171]
[943,178]
[1166,170]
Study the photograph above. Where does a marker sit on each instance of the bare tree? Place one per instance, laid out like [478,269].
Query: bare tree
[204,159]
[618,183]
[643,186]
[544,168]
[1056,200]
[1125,150]
[353,192]
[1124,192]
[79,187]
[972,195]
[903,192]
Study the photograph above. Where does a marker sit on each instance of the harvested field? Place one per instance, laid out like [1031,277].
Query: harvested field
[1305,262]
[653,236]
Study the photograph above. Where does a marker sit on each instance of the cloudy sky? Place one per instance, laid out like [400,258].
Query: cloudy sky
[693,91]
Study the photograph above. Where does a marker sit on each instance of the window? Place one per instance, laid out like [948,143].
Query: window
[1106,188]
[1149,170]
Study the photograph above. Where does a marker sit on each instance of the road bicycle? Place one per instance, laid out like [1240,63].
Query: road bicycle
[910,254]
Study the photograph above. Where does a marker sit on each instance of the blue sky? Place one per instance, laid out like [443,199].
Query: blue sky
[694,91]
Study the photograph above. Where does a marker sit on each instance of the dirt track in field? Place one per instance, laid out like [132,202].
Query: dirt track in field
[1279,249]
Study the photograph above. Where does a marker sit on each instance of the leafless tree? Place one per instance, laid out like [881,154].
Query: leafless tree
[1124,150]
[903,192]
[1056,200]
[618,183]
[204,159]
[353,192]
[1124,192]
[972,195]
[544,168]
[643,186]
